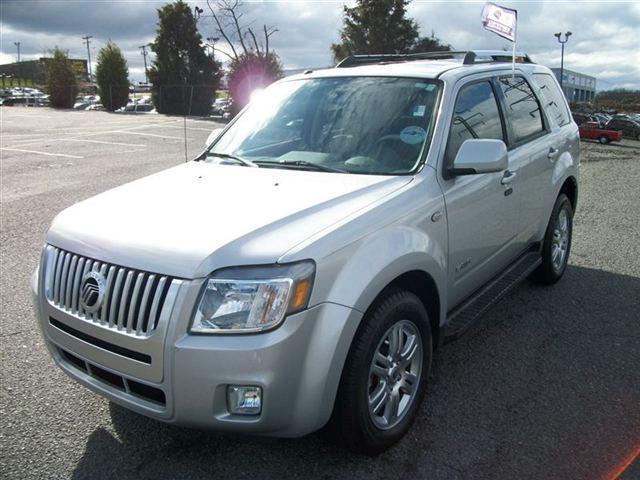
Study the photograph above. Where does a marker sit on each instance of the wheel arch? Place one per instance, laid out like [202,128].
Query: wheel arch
[570,189]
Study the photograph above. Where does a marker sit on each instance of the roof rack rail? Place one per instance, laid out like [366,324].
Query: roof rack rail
[469,57]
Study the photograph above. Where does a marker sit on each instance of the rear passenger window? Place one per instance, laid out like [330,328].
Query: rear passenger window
[475,116]
[553,97]
[522,109]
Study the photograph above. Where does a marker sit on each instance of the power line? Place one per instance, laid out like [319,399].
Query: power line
[86,39]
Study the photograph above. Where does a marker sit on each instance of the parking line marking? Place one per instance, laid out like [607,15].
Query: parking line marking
[148,134]
[182,128]
[101,141]
[41,153]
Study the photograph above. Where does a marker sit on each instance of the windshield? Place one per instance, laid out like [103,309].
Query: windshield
[374,125]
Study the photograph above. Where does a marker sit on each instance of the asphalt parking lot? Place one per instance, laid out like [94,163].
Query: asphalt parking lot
[546,386]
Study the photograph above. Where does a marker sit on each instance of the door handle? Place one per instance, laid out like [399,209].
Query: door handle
[552,153]
[508,177]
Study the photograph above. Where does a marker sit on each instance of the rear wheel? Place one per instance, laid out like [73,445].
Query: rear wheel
[603,140]
[557,243]
[385,375]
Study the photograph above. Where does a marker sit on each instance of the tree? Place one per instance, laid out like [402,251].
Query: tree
[62,85]
[253,65]
[251,72]
[381,26]
[184,77]
[112,77]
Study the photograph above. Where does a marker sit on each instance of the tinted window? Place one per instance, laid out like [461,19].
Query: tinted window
[553,97]
[522,110]
[475,116]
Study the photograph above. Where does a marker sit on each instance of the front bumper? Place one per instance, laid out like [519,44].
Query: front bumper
[298,366]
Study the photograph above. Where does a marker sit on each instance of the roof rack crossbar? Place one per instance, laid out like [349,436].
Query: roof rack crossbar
[469,57]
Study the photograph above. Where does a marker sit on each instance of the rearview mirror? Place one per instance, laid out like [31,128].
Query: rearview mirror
[480,156]
[215,133]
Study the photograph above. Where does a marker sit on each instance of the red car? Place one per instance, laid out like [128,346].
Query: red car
[592,131]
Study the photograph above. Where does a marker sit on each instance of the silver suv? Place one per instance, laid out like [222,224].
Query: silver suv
[302,270]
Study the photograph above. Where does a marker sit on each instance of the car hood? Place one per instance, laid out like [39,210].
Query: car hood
[192,219]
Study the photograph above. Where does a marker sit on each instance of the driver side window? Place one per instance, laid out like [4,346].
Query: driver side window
[475,115]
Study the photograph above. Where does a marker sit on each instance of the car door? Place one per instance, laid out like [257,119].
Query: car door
[482,212]
[535,148]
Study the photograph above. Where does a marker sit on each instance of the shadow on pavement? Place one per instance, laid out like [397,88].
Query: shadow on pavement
[545,386]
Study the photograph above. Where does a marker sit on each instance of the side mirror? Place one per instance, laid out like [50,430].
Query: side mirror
[480,156]
[212,136]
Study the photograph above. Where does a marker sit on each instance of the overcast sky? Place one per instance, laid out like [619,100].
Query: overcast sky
[604,42]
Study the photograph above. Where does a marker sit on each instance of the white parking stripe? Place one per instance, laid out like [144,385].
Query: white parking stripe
[101,141]
[148,134]
[41,153]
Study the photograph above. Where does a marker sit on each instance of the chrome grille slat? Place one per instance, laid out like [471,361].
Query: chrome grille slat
[132,301]
[56,282]
[123,300]
[115,297]
[76,285]
[151,322]
[145,301]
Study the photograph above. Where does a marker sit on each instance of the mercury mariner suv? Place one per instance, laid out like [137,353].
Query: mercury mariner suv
[301,271]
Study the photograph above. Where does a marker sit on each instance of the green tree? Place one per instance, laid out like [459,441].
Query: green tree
[184,77]
[251,71]
[62,85]
[381,26]
[376,26]
[112,77]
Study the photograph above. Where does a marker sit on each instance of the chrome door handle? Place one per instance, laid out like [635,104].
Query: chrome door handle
[552,152]
[508,177]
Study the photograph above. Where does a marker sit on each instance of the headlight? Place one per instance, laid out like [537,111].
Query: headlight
[252,299]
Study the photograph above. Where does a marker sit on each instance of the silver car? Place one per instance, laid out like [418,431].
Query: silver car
[302,270]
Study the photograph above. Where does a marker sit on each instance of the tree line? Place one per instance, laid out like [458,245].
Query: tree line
[184,77]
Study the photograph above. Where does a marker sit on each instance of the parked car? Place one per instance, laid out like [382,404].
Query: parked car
[303,269]
[593,131]
[629,127]
[581,118]
[137,108]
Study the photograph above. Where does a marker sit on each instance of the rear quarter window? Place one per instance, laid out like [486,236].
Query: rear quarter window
[522,110]
[553,98]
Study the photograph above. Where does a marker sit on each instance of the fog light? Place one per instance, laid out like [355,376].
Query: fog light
[244,400]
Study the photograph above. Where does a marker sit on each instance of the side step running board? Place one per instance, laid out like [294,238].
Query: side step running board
[462,317]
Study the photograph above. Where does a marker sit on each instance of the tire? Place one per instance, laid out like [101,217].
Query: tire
[352,424]
[603,140]
[551,269]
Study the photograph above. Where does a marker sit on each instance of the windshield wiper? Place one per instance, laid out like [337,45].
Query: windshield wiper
[227,156]
[304,163]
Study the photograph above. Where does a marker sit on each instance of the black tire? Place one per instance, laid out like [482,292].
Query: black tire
[603,140]
[548,273]
[351,425]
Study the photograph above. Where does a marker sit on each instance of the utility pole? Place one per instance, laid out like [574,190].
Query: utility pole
[17,44]
[212,43]
[144,55]
[562,42]
[86,39]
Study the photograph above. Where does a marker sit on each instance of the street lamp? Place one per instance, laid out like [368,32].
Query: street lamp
[17,44]
[562,42]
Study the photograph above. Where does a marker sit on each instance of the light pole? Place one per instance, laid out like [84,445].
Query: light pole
[17,44]
[86,39]
[212,43]
[562,42]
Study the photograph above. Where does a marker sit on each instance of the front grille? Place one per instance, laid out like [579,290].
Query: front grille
[132,301]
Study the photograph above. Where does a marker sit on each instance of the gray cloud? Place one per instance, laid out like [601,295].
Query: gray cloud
[604,41]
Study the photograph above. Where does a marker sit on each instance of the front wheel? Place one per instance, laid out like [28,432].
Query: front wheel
[557,243]
[385,375]
[603,140]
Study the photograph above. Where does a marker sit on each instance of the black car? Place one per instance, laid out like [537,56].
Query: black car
[630,128]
